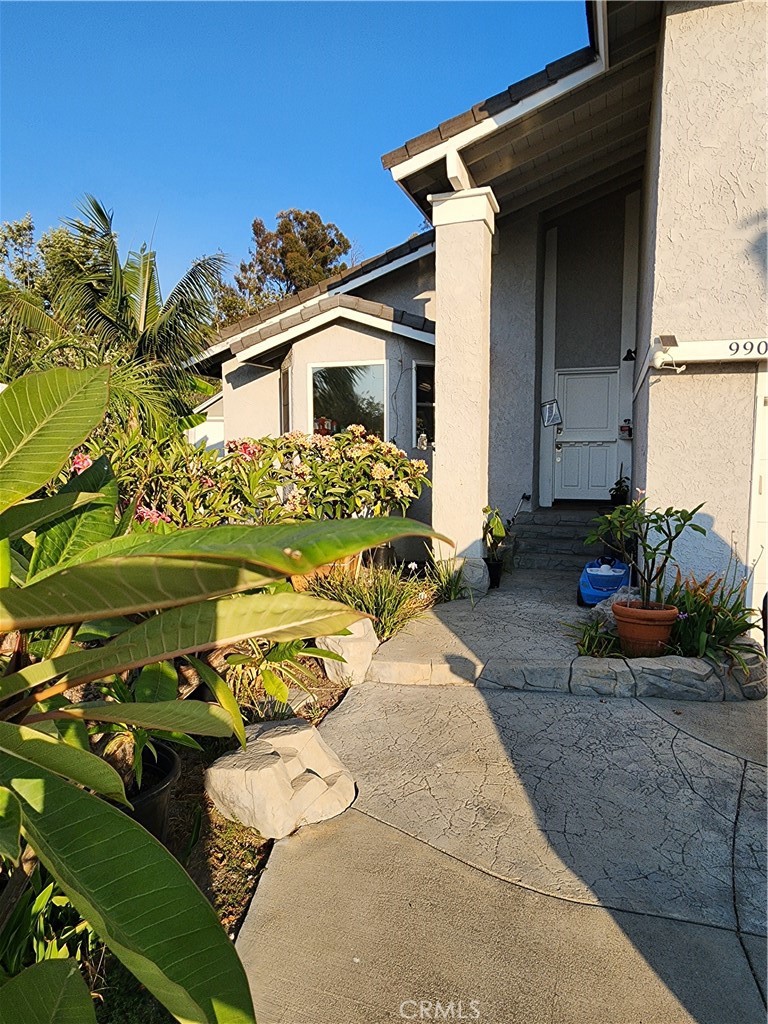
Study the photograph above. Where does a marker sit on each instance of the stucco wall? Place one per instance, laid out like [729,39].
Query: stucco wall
[513,398]
[700,449]
[590,257]
[703,267]
[411,288]
[251,400]
[705,263]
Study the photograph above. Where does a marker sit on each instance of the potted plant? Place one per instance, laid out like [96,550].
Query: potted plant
[619,493]
[494,535]
[645,540]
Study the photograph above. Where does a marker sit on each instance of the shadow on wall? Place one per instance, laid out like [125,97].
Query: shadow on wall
[757,245]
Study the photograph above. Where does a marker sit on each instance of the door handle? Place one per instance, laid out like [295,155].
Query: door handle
[558,447]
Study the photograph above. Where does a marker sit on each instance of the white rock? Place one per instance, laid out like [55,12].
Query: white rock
[603,613]
[286,777]
[357,649]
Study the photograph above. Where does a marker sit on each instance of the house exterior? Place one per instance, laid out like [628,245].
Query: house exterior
[590,303]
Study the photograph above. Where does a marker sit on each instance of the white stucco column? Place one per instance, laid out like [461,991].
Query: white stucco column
[464,225]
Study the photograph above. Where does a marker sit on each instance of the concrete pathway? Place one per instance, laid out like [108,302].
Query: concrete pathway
[524,621]
[542,859]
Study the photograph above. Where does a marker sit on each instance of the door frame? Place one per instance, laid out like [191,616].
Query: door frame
[628,341]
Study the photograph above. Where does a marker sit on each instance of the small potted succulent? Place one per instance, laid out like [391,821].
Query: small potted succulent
[494,536]
[645,540]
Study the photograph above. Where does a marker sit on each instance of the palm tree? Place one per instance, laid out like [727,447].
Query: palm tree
[111,312]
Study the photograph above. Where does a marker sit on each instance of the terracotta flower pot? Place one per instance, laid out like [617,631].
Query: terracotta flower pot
[644,632]
[349,564]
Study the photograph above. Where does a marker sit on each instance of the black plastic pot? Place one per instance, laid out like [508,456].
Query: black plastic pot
[383,557]
[152,802]
[495,569]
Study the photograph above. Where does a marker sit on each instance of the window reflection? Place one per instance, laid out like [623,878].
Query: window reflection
[342,395]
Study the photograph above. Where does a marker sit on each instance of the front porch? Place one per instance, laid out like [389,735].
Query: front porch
[517,638]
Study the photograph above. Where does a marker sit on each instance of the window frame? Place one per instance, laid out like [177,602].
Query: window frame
[325,364]
[414,396]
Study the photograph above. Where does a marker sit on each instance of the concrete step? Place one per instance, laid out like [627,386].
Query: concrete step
[556,516]
[569,530]
[558,545]
[538,560]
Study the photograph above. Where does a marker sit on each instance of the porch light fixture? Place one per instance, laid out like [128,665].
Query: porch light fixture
[629,356]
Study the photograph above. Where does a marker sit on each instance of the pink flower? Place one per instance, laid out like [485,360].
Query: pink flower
[81,462]
[151,515]
[207,482]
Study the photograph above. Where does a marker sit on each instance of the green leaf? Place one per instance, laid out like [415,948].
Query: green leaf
[51,992]
[5,562]
[156,682]
[57,756]
[288,549]
[274,685]
[43,416]
[65,538]
[135,895]
[102,629]
[318,652]
[173,716]
[29,515]
[189,629]
[223,695]
[10,825]
[119,586]
[139,572]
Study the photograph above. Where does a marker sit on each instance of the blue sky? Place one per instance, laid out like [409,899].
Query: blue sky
[191,119]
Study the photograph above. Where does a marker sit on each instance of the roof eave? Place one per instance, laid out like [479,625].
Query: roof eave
[446,142]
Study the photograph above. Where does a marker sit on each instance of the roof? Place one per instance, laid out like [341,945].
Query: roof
[344,277]
[328,308]
[492,106]
[580,117]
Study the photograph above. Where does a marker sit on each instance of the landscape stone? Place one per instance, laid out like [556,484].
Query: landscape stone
[749,685]
[357,649]
[527,675]
[286,777]
[606,677]
[475,575]
[676,677]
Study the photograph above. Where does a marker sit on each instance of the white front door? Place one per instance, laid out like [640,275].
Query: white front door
[586,443]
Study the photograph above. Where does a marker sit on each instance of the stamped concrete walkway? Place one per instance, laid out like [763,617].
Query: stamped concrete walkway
[523,622]
[536,858]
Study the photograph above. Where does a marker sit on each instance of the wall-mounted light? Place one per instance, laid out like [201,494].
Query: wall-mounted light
[629,356]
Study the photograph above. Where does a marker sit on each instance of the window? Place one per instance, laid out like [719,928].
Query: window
[342,395]
[285,400]
[424,384]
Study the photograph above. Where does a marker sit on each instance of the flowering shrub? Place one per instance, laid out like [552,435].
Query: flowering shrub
[169,482]
[165,481]
[336,477]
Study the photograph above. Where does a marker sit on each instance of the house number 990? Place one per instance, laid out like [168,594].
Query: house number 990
[747,348]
